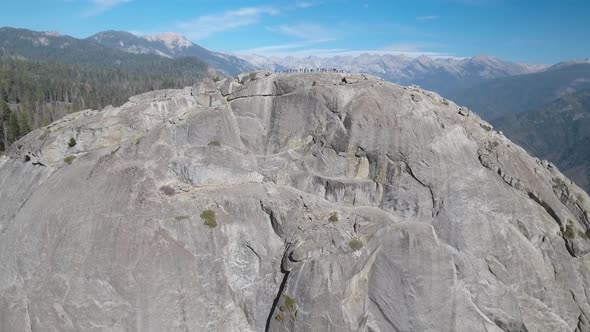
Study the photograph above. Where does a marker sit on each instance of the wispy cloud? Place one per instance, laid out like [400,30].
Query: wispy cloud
[306,31]
[279,48]
[304,4]
[404,47]
[108,3]
[427,18]
[101,6]
[475,2]
[305,49]
[206,25]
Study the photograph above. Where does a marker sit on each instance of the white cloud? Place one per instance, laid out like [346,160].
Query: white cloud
[332,52]
[306,31]
[108,3]
[305,49]
[474,2]
[411,47]
[101,6]
[280,48]
[403,48]
[206,25]
[427,18]
[304,4]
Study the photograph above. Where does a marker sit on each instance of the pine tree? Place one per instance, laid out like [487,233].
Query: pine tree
[13,127]
[42,91]
[4,117]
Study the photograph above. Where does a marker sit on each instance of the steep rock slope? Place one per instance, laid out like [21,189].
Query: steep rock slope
[333,203]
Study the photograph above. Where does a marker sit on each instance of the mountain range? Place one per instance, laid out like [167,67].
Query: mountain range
[443,75]
[448,76]
[171,45]
[513,94]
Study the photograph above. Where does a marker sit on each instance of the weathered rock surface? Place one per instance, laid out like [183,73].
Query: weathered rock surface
[354,205]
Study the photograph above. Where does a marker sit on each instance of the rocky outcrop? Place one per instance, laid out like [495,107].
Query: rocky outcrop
[324,202]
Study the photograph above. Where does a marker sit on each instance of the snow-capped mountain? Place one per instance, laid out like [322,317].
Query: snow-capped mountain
[171,45]
[444,75]
[171,40]
[564,64]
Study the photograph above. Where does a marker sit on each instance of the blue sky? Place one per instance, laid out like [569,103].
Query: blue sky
[540,31]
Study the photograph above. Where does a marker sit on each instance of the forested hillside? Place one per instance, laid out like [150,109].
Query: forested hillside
[170,45]
[43,77]
[495,98]
[558,131]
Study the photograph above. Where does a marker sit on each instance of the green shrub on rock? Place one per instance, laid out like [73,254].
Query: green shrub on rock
[333,217]
[569,230]
[69,159]
[584,235]
[72,142]
[289,306]
[208,217]
[355,244]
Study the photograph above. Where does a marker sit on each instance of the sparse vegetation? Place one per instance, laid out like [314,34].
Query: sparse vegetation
[333,217]
[280,317]
[289,304]
[182,217]
[356,244]
[167,190]
[559,184]
[569,230]
[585,236]
[72,142]
[208,217]
[69,159]
[486,127]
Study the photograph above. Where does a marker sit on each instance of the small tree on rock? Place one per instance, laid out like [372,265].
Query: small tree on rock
[72,142]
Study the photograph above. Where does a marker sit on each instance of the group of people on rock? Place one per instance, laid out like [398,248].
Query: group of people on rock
[309,70]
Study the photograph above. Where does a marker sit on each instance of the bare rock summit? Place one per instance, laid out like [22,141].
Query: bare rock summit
[299,202]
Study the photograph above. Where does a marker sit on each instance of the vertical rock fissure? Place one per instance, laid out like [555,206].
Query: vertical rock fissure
[29,320]
[278,297]
[410,172]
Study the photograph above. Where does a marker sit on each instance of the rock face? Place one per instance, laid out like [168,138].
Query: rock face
[299,202]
